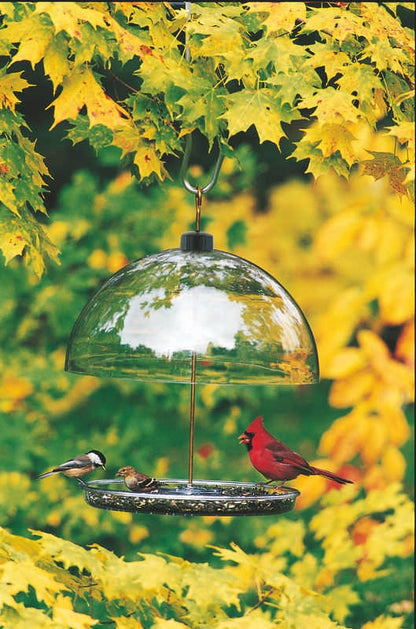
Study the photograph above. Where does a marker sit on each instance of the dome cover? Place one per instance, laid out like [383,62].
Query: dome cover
[148,320]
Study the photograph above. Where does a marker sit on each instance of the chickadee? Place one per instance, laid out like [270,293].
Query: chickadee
[80,465]
[137,481]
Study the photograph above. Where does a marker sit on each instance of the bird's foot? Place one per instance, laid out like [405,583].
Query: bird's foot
[280,488]
[276,488]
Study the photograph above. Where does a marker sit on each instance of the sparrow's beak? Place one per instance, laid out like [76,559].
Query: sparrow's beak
[118,474]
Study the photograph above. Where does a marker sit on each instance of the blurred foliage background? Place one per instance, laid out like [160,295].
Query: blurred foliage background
[343,249]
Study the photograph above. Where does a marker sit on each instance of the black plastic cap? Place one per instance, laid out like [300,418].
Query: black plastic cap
[197,241]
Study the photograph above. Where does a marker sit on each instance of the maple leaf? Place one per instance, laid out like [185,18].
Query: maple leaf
[203,103]
[82,88]
[56,60]
[386,164]
[261,108]
[148,162]
[67,16]
[330,105]
[32,36]
[338,22]
[330,138]
[11,245]
[66,552]
[10,84]
[65,616]
[23,574]
[334,61]
[405,133]
[319,165]
[282,16]
[386,57]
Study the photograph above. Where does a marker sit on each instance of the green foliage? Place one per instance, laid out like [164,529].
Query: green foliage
[121,78]
[285,583]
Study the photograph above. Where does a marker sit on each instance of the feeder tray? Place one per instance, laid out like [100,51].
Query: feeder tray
[203,497]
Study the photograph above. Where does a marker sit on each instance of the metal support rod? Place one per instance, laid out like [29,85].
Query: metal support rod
[198,205]
[192,421]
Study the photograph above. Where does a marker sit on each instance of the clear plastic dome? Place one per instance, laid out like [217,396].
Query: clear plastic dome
[151,317]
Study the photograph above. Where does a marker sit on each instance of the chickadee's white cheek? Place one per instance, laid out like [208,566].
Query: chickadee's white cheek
[95,459]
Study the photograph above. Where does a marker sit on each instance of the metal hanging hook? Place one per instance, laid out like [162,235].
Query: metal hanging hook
[188,142]
[184,168]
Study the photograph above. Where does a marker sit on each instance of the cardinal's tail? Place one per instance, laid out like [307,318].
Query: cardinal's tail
[331,476]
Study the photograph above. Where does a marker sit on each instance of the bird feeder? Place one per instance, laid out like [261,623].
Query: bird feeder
[193,315]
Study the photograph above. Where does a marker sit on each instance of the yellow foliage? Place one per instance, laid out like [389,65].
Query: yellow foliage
[384,622]
[393,464]
[97,259]
[122,516]
[13,390]
[161,467]
[116,261]
[58,232]
[196,536]
[137,533]
[266,588]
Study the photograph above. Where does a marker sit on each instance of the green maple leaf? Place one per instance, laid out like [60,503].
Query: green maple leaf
[386,57]
[319,165]
[280,53]
[300,85]
[261,108]
[203,103]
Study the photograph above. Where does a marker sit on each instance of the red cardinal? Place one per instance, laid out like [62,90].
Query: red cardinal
[276,461]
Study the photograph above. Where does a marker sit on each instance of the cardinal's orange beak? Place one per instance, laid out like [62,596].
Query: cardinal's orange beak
[243,438]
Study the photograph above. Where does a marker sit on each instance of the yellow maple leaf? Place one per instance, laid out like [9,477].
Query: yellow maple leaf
[80,89]
[282,16]
[331,137]
[67,16]
[23,574]
[148,162]
[12,245]
[10,84]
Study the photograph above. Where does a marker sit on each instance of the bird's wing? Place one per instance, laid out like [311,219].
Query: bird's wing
[78,463]
[284,454]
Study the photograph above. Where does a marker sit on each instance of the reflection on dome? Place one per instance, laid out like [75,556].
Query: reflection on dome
[149,318]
